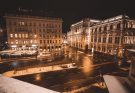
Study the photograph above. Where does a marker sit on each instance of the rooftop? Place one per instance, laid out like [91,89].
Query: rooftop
[31,16]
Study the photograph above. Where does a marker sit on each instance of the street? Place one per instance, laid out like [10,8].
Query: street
[87,73]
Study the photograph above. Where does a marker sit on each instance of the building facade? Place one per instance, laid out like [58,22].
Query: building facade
[111,36]
[31,32]
[78,36]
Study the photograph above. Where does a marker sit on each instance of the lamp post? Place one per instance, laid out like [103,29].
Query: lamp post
[115,56]
[124,59]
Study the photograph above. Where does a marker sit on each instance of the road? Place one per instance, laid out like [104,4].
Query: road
[86,74]
[68,79]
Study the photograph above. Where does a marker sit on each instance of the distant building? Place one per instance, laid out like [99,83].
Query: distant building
[1,34]
[111,36]
[33,32]
[64,38]
[3,39]
[78,36]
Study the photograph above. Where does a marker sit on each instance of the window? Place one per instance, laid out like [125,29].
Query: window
[59,41]
[40,35]
[110,40]
[16,41]
[111,27]
[91,39]
[56,36]
[25,24]
[34,24]
[99,29]
[50,41]
[26,35]
[104,40]
[95,39]
[15,35]
[22,35]
[31,41]
[99,39]
[105,28]
[40,41]
[12,42]
[43,35]
[40,31]
[118,26]
[44,41]
[117,40]
[56,26]
[21,23]
[95,30]
[11,35]
[39,24]
[19,35]
[15,23]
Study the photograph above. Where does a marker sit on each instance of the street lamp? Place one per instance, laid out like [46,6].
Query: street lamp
[115,56]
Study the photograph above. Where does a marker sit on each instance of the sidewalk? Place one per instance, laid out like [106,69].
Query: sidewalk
[14,73]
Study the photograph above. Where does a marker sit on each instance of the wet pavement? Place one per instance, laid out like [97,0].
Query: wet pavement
[86,74]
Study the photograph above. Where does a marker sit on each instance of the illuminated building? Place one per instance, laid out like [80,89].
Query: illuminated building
[33,32]
[78,37]
[110,36]
[113,35]
[1,35]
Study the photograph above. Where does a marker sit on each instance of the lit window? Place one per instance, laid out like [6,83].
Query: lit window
[26,42]
[26,35]
[31,41]
[21,23]
[16,41]
[35,36]
[22,35]
[19,35]
[11,35]
[15,35]
[11,42]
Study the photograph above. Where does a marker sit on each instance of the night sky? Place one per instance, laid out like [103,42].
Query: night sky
[72,11]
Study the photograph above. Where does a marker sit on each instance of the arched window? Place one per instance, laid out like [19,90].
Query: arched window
[95,30]
[105,28]
[118,26]
[111,27]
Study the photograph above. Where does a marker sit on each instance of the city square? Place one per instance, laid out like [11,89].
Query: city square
[68,50]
